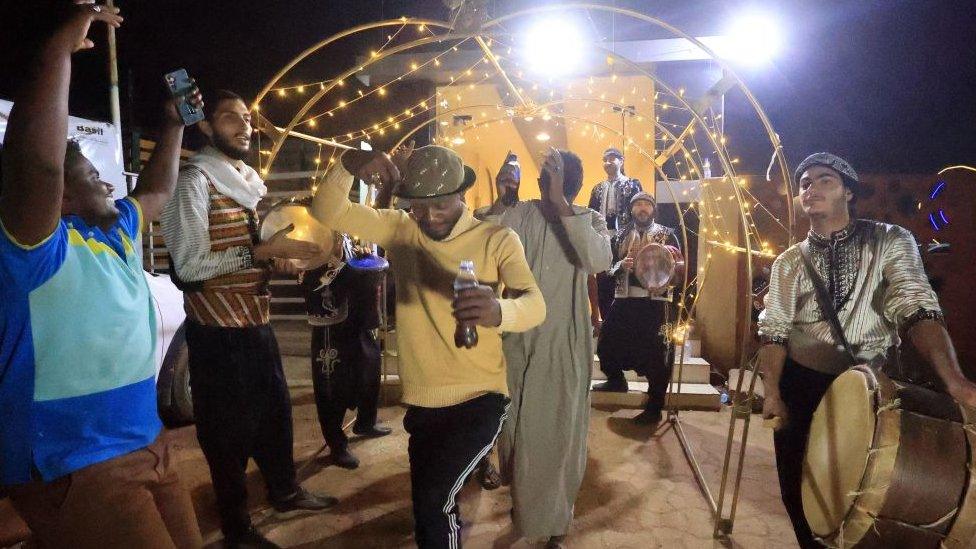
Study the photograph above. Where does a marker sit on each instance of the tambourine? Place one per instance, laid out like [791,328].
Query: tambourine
[656,266]
[295,211]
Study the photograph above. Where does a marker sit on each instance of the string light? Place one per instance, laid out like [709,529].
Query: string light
[423,106]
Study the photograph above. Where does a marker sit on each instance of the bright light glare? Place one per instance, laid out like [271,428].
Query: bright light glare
[543,136]
[554,47]
[753,39]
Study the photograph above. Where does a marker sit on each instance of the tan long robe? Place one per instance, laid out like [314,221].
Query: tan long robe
[542,448]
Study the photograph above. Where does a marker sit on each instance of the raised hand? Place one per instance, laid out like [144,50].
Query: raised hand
[373,167]
[507,178]
[401,156]
[553,166]
[172,115]
[73,34]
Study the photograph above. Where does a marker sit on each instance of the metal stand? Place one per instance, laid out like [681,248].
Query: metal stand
[741,411]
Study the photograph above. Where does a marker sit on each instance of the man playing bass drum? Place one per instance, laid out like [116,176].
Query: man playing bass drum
[873,282]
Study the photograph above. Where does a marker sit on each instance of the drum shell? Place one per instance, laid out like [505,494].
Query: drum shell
[916,473]
[962,534]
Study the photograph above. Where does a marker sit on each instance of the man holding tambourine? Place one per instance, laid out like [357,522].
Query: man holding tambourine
[646,258]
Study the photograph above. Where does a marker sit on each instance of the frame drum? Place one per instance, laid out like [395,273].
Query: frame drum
[295,212]
[888,465]
[657,265]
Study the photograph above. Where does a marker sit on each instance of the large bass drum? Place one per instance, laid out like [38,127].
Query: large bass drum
[656,266]
[295,212]
[889,465]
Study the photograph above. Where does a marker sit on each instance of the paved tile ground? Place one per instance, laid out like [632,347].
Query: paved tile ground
[639,491]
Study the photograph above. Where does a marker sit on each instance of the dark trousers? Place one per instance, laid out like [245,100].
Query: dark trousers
[446,444]
[632,340]
[242,410]
[802,390]
[605,287]
[345,375]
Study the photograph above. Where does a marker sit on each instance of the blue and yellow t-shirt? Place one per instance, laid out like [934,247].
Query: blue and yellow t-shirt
[77,336]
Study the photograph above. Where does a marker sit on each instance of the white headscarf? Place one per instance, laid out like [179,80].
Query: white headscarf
[232,178]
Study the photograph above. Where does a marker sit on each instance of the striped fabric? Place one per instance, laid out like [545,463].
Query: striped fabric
[241,298]
[889,290]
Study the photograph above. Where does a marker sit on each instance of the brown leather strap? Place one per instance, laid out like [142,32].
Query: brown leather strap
[825,304]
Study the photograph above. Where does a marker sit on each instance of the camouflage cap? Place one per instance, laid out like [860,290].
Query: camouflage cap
[434,171]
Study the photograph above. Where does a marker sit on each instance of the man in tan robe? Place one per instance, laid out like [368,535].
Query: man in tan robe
[543,445]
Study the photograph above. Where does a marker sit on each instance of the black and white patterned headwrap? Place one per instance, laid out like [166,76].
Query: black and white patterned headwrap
[833,162]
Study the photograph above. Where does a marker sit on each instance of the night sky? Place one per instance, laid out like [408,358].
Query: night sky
[887,83]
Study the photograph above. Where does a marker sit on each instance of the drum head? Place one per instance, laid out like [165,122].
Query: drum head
[654,267]
[307,228]
[841,438]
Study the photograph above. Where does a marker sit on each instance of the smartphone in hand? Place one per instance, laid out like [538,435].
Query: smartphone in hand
[180,85]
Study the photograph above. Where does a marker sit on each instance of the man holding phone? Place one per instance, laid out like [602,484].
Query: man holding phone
[240,399]
[82,455]
[542,449]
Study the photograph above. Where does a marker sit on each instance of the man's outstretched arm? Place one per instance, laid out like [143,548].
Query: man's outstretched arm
[35,143]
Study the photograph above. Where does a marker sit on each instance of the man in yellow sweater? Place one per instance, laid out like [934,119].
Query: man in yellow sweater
[457,398]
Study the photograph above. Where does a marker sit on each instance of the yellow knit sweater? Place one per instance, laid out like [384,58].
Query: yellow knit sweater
[433,371]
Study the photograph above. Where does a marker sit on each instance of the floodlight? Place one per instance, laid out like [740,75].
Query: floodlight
[553,47]
[753,39]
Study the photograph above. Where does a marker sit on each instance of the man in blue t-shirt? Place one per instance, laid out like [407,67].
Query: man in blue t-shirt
[81,454]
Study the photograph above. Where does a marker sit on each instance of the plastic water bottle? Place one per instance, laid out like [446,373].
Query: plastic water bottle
[511,197]
[465,335]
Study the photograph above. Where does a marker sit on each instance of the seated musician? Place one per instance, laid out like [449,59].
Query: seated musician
[631,338]
[873,278]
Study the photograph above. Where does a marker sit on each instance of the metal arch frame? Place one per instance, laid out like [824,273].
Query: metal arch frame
[723,526]
[338,36]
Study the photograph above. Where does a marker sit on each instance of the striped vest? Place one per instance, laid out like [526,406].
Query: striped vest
[239,299]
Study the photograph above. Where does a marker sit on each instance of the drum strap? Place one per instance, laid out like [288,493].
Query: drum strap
[825,303]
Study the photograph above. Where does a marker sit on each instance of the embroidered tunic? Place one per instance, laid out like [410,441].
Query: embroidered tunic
[874,275]
[612,200]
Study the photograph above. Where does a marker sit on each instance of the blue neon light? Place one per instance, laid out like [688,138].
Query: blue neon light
[943,216]
[934,224]
[938,189]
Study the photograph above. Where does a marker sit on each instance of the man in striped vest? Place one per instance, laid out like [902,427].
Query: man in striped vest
[240,398]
